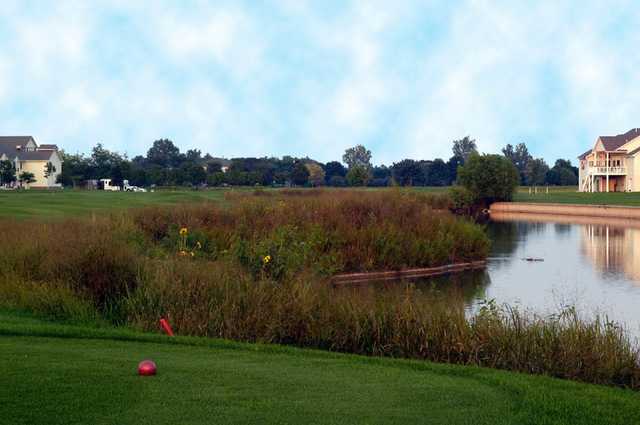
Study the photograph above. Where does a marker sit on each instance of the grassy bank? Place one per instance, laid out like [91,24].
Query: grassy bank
[75,375]
[257,270]
[572,196]
[39,204]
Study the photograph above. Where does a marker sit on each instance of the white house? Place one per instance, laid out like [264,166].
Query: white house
[612,164]
[26,155]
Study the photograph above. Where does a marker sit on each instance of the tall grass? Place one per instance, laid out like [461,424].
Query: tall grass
[127,269]
[327,231]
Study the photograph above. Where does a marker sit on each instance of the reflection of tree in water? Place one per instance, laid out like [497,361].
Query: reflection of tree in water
[468,286]
[562,229]
[506,235]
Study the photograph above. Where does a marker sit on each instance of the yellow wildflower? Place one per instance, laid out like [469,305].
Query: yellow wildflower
[183,231]
[266,259]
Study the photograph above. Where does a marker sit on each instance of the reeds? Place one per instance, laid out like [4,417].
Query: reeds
[127,269]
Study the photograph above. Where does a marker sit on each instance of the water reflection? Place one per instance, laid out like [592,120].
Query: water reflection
[613,250]
[593,263]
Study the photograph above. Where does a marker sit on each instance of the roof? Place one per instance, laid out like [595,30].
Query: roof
[584,155]
[34,155]
[48,147]
[8,144]
[611,143]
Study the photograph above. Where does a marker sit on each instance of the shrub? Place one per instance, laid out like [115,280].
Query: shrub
[489,178]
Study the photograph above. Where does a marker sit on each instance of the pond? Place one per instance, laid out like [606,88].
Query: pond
[593,264]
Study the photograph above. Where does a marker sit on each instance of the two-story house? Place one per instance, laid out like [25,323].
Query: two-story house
[612,165]
[42,161]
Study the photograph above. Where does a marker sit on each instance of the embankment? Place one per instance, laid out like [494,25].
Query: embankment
[603,211]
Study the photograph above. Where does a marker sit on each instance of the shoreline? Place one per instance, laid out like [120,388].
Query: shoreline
[573,210]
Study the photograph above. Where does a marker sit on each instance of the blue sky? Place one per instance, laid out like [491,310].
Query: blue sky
[311,78]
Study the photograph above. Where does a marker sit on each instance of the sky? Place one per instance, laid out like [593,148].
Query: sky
[312,78]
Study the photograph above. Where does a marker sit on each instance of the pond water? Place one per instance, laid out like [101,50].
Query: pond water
[593,264]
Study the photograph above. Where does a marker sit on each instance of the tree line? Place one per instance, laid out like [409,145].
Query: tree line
[165,165]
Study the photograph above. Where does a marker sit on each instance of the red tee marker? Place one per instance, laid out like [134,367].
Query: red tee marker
[166,327]
[147,368]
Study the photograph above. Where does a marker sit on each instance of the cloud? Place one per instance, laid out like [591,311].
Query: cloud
[296,77]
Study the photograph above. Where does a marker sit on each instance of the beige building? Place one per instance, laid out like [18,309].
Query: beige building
[27,156]
[612,165]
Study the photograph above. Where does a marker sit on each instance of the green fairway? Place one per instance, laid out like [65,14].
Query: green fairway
[574,197]
[64,374]
[54,204]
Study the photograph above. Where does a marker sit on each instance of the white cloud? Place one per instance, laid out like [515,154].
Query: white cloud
[405,78]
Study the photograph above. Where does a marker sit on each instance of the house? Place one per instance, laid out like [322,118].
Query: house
[26,155]
[612,165]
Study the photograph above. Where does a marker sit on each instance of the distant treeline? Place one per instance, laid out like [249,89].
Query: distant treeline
[165,165]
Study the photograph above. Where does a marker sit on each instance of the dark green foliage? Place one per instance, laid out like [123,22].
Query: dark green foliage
[300,174]
[7,172]
[358,176]
[489,178]
[26,177]
[357,156]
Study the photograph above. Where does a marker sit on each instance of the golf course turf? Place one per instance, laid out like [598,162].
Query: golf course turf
[70,374]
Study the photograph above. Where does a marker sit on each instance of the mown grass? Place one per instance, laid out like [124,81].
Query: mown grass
[59,374]
[40,204]
[572,196]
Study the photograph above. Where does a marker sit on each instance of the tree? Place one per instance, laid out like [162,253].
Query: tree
[537,172]
[358,175]
[193,155]
[407,172]
[26,177]
[164,153]
[7,172]
[49,169]
[102,161]
[563,173]
[357,156]
[463,148]
[519,157]
[438,174]
[316,174]
[300,174]
[334,169]
[489,178]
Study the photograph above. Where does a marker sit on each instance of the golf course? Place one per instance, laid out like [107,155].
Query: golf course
[77,374]
[67,359]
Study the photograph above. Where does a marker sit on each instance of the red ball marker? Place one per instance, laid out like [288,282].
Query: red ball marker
[147,368]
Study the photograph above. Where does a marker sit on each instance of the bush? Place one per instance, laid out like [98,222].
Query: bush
[489,178]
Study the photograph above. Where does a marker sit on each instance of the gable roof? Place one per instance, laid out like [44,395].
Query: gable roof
[611,143]
[35,155]
[8,144]
[584,155]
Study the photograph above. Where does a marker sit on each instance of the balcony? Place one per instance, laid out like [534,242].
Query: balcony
[612,171]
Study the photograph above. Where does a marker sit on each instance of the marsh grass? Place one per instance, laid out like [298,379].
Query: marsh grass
[125,269]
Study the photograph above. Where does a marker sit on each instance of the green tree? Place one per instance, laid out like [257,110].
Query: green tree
[300,174]
[7,172]
[49,169]
[464,148]
[164,153]
[357,156]
[537,171]
[26,177]
[316,174]
[489,178]
[358,175]
[407,173]
[520,157]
